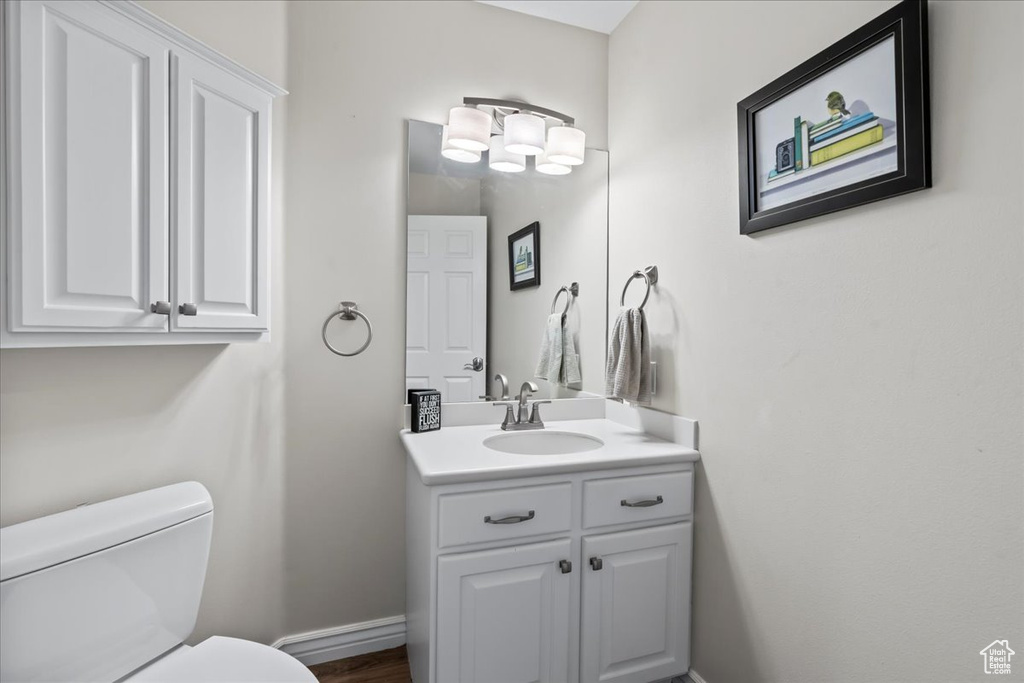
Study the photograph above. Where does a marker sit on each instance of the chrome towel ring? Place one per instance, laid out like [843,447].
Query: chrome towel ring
[649,276]
[347,310]
[571,292]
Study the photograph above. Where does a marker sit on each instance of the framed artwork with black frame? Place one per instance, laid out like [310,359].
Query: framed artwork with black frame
[524,257]
[847,127]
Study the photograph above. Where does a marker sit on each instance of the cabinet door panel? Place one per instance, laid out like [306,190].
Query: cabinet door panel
[635,608]
[222,199]
[89,252]
[503,615]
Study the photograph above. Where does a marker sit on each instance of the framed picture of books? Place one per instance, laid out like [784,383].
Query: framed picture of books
[847,127]
[524,257]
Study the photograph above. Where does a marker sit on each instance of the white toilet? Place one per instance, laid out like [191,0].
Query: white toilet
[112,590]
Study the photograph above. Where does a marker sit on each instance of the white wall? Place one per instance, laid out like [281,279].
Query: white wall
[857,377]
[87,424]
[358,70]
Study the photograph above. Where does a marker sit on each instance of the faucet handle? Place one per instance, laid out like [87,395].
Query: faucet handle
[510,418]
[535,413]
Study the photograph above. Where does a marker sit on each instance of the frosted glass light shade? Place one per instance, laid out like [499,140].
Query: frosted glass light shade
[500,159]
[469,128]
[566,145]
[546,166]
[524,134]
[464,156]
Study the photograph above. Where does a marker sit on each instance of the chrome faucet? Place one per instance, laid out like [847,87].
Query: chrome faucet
[516,422]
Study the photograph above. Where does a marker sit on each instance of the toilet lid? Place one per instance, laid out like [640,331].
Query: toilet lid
[225,660]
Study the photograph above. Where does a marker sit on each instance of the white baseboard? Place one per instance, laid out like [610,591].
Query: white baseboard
[342,642]
[693,676]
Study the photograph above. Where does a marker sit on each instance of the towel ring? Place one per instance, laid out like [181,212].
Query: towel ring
[571,291]
[347,310]
[649,276]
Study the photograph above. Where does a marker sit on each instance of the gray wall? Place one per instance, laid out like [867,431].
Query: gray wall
[858,376]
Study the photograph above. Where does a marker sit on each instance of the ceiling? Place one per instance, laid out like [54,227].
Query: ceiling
[597,15]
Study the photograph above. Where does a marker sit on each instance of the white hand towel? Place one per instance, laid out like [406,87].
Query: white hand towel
[549,366]
[628,373]
[570,376]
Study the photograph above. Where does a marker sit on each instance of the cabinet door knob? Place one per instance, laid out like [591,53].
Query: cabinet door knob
[160,307]
[596,563]
[188,309]
[565,566]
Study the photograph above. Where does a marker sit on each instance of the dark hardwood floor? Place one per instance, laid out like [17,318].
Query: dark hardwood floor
[386,666]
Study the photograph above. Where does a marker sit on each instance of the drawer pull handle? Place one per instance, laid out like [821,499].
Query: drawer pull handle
[642,503]
[565,566]
[596,563]
[511,519]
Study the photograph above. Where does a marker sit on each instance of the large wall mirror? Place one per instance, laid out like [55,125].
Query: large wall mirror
[479,303]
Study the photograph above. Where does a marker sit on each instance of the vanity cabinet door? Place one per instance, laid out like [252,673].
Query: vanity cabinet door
[87,106]
[503,615]
[636,605]
[221,199]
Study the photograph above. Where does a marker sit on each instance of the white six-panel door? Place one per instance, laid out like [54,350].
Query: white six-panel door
[222,208]
[88,239]
[446,309]
[503,615]
[635,607]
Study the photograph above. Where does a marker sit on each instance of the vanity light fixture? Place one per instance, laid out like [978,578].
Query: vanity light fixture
[547,166]
[524,134]
[519,130]
[566,145]
[500,159]
[464,156]
[469,128]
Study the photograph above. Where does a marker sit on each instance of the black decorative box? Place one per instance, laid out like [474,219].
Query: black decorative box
[426,409]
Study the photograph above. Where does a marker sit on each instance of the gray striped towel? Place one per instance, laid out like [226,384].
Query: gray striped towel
[628,373]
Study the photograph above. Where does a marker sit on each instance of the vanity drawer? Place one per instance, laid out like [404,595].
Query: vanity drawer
[636,499]
[504,513]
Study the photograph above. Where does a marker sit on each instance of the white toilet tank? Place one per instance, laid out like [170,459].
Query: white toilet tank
[94,593]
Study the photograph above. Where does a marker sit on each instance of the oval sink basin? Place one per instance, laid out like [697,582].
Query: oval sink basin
[542,442]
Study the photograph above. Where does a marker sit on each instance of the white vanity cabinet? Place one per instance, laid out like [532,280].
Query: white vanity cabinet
[581,577]
[136,179]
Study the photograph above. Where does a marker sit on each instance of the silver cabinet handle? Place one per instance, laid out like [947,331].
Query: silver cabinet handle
[596,563]
[188,309]
[476,366]
[511,519]
[160,307]
[643,503]
[565,566]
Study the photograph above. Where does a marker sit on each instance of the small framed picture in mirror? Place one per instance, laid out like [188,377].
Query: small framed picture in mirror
[524,257]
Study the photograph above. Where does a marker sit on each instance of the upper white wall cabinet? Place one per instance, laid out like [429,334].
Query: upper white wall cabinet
[137,182]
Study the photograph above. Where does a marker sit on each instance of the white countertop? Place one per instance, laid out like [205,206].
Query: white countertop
[457,454]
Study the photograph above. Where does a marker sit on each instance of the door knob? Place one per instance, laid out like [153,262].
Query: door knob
[160,307]
[596,563]
[476,366]
[188,309]
[565,566]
